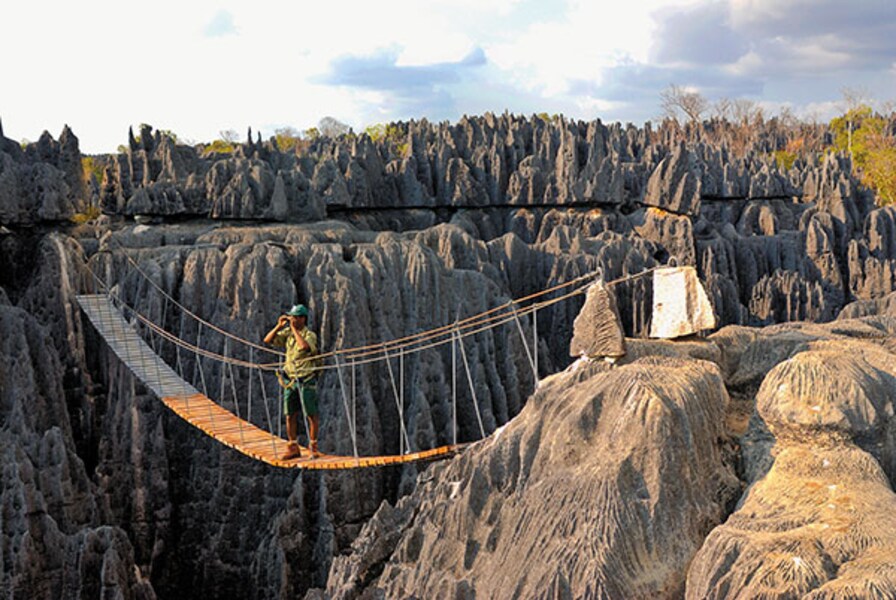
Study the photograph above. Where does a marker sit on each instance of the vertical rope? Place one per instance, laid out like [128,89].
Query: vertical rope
[401,391]
[267,410]
[348,417]
[221,388]
[179,365]
[198,362]
[249,400]
[402,432]
[519,327]
[463,353]
[454,384]
[162,325]
[354,407]
[211,414]
[236,400]
[535,341]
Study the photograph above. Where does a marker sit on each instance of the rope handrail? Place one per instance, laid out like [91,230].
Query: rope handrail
[346,352]
[472,329]
[370,353]
[394,343]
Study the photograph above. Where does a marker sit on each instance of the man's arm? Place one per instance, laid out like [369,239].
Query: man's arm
[300,341]
[281,322]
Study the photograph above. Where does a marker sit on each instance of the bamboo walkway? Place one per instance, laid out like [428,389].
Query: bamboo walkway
[207,416]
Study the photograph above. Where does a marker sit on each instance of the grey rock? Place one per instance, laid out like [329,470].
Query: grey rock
[674,186]
[863,308]
[824,501]
[597,331]
[504,512]
[673,232]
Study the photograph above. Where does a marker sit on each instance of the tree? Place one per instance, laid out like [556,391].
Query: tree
[331,127]
[230,136]
[871,144]
[287,138]
[746,112]
[376,132]
[853,102]
[722,108]
[676,100]
[879,170]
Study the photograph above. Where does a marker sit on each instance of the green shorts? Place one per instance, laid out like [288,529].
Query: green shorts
[307,392]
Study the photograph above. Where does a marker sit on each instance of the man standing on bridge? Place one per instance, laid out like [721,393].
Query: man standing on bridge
[291,332]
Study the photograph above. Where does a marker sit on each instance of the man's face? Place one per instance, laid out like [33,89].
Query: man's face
[298,321]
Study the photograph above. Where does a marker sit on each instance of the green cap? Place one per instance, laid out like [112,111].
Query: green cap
[298,310]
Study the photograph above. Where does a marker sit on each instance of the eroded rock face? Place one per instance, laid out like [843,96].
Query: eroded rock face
[545,508]
[817,525]
[53,543]
[41,181]
[598,331]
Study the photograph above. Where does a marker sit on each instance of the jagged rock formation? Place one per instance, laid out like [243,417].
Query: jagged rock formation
[41,181]
[603,487]
[53,544]
[801,244]
[861,308]
[822,502]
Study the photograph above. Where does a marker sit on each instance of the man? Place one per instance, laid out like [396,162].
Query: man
[291,332]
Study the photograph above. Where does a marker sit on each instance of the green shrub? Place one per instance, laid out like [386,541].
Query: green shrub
[218,146]
[90,213]
[92,166]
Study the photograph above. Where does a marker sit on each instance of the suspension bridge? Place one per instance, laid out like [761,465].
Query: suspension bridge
[139,342]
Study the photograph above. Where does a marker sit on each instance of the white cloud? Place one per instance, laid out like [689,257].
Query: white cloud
[102,65]
[221,24]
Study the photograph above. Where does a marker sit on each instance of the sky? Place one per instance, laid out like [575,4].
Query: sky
[199,67]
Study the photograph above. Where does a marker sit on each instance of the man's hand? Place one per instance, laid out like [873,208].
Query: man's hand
[282,321]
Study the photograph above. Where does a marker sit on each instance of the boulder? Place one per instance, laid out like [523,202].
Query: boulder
[603,487]
[680,304]
[818,523]
[597,331]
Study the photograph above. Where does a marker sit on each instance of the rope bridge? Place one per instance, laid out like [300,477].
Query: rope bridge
[248,434]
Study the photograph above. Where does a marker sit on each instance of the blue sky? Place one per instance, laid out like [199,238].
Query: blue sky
[199,67]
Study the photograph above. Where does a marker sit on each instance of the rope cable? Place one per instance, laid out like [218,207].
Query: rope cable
[463,353]
[402,432]
[519,327]
[348,418]
[208,324]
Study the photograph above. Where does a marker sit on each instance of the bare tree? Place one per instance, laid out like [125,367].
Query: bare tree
[887,108]
[722,108]
[676,100]
[229,135]
[787,117]
[853,99]
[332,127]
[746,112]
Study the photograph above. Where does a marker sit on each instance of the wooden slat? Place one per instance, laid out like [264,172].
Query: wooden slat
[210,418]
